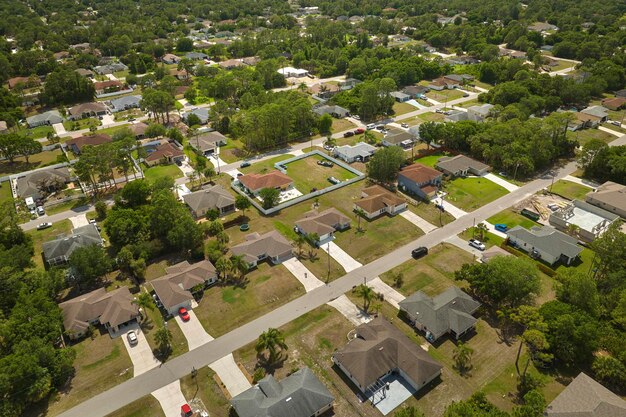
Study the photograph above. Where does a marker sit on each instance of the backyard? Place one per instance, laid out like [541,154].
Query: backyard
[511,219]
[159,171]
[38,160]
[570,190]
[403,108]
[307,174]
[40,236]
[431,160]
[472,192]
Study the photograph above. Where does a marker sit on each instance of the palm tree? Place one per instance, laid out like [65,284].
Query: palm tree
[481,229]
[223,266]
[163,338]
[144,301]
[240,266]
[367,294]
[271,340]
[359,213]
[300,241]
[462,357]
[209,173]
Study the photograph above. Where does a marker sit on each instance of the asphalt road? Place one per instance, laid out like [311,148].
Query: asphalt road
[135,388]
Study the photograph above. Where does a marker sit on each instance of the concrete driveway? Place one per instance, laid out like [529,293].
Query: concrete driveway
[418,221]
[107,120]
[233,379]
[194,332]
[453,210]
[171,399]
[78,221]
[463,244]
[140,354]
[501,182]
[306,278]
[59,129]
[349,310]
[346,261]
[392,296]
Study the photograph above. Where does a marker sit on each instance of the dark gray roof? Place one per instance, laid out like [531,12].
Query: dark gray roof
[459,163]
[31,185]
[299,395]
[361,149]
[125,102]
[547,239]
[51,117]
[397,138]
[584,397]
[207,141]
[450,310]
[201,112]
[63,247]
[327,109]
[208,198]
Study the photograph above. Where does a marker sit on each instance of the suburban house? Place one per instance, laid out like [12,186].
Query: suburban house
[621,93]
[271,245]
[138,129]
[461,166]
[584,397]
[301,394]
[170,59]
[76,144]
[324,91]
[441,83]
[420,180]
[449,312]
[213,197]
[459,79]
[455,115]
[58,251]
[114,310]
[545,243]
[231,63]
[599,113]
[337,112]
[615,103]
[291,72]
[108,86]
[542,27]
[165,153]
[415,91]
[400,97]
[196,56]
[376,200]
[180,75]
[398,138]
[37,184]
[518,55]
[380,349]
[322,224]
[583,121]
[207,142]
[253,183]
[349,83]
[360,152]
[48,118]
[202,113]
[110,68]
[490,253]
[583,220]
[479,113]
[251,60]
[27,82]
[174,290]
[125,103]
[87,110]
[610,196]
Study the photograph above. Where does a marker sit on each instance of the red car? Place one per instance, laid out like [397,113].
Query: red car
[184,314]
[185,410]
[359,131]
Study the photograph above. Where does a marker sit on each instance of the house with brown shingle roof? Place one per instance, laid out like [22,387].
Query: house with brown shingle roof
[461,165]
[323,224]
[271,245]
[376,200]
[380,349]
[254,183]
[174,290]
[614,103]
[231,63]
[113,310]
[87,110]
[76,145]
[138,129]
[610,196]
[25,81]
[108,86]
[166,153]
[215,197]
[584,397]
[420,180]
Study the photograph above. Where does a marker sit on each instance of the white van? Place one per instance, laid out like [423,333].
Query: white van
[370,126]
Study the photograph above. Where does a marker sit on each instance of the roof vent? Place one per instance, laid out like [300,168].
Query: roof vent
[288,399]
[381,348]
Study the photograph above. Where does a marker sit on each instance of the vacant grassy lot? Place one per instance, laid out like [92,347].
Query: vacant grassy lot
[307,174]
[147,406]
[431,214]
[263,167]
[402,108]
[45,235]
[81,124]
[585,135]
[339,125]
[100,364]
[224,308]
[489,239]
[232,151]
[5,192]
[204,387]
[511,219]
[471,193]
[570,190]
[36,132]
[159,171]
[35,161]
[444,95]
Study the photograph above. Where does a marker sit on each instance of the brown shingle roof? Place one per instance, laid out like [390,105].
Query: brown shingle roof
[322,223]
[379,348]
[87,108]
[92,140]
[173,288]
[271,244]
[610,193]
[378,198]
[165,150]
[419,173]
[272,179]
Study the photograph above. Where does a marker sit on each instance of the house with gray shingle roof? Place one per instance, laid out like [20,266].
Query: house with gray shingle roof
[545,243]
[215,197]
[201,112]
[58,251]
[322,224]
[461,165]
[301,394]
[207,142]
[449,312]
[350,153]
[610,196]
[125,103]
[584,397]
[337,112]
[271,245]
[37,184]
[48,118]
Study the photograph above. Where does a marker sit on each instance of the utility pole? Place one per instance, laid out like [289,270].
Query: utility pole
[328,274]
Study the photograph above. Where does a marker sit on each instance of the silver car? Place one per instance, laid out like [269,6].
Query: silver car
[475,243]
[132,338]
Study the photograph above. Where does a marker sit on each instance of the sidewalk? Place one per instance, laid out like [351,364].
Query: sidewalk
[418,221]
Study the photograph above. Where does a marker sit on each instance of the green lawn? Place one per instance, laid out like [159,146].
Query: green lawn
[112,130]
[488,238]
[35,161]
[81,124]
[444,95]
[147,406]
[5,192]
[307,174]
[402,108]
[585,135]
[36,132]
[204,387]
[471,193]
[582,264]
[153,322]
[159,171]
[264,166]
[570,190]
[68,205]
[232,151]
[339,125]
[431,160]
[511,219]
[431,214]
[45,235]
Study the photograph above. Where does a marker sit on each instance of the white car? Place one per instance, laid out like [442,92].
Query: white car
[132,338]
[477,244]
[370,126]
[404,125]
[42,226]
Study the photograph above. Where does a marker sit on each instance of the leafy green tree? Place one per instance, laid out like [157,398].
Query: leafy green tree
[242,203]
[367,294]
[136,193]
[126,226]
[385,164]
[223,267]
[193,120]
[163,338]
[101,210]
[273,341]
[184,45]
[270,197]
[65,86]
[9,146]
[27,147]
[610,372]
[409,412]
[240,266]
[578,289]
[145,301]
[324,123]
[89,264]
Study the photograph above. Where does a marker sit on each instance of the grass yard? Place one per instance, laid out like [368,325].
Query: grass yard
[431,214]
[113,130]
[432,159]
[511,219]
[204,387]
[100,364]
[67,205]
[36,132]
[471,193]
[263,167]
[232,151]
[444,95]
[39,160]
[81,124]
[585,135]
[402,108]
[224,308]
[45,235]
[159,171]
[153,321]
[489,239]
[339,125]
[307,174]
[5,192]
[570,190]
[432,117]
[583,264]
[147,406]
